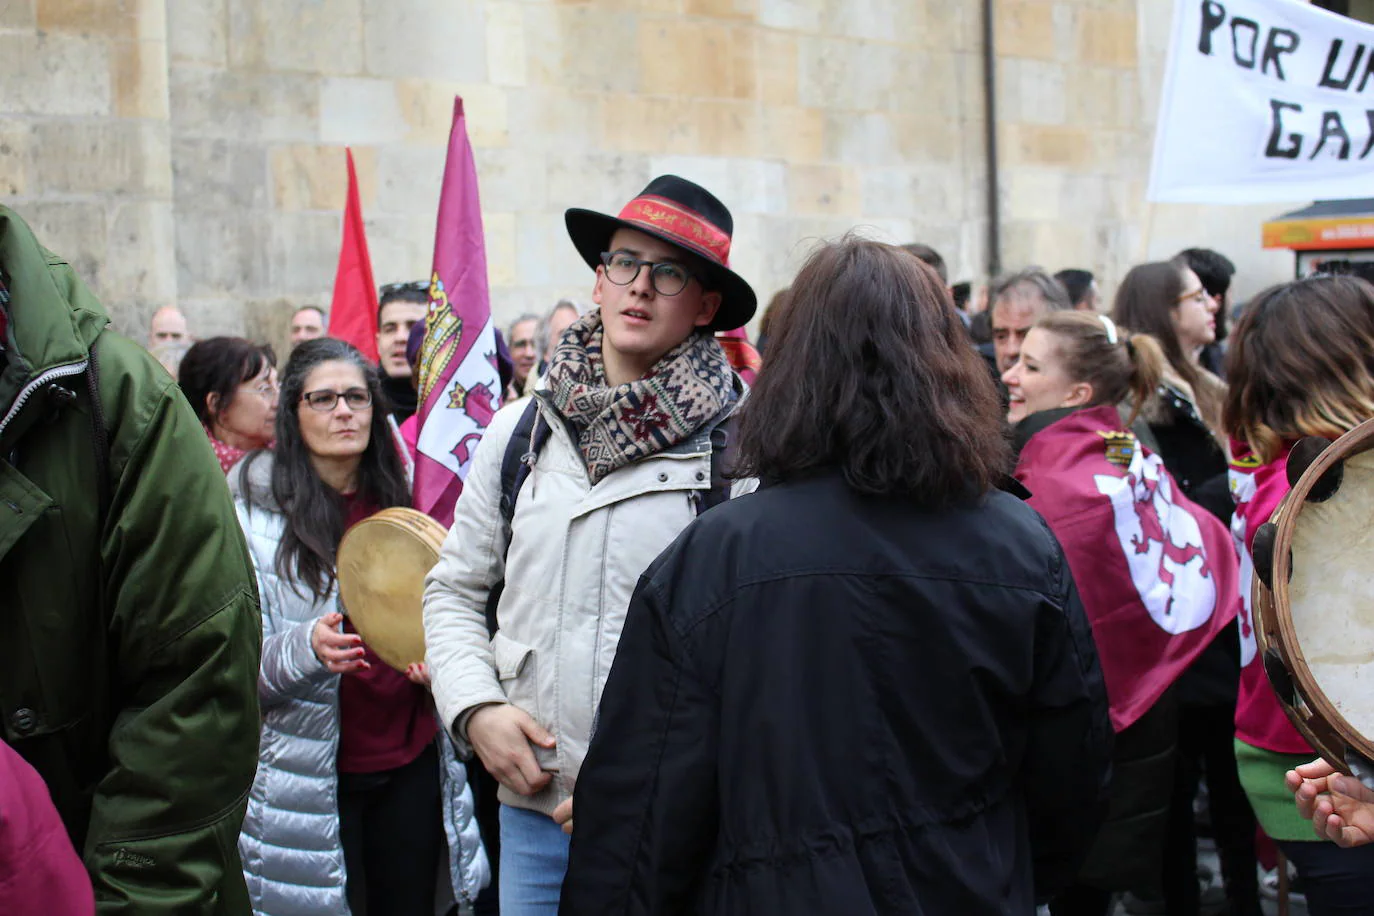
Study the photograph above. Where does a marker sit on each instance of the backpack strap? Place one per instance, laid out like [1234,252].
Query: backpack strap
[722,464]
[531,432]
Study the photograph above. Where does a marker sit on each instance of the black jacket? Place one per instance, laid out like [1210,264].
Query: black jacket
[830,703]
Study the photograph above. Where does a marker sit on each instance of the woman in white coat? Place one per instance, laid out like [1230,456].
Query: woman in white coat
[348,804]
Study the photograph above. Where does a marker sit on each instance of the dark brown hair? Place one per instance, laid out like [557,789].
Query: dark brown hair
[314,511]
[869,372]
[218,365]
[1128,370]
[1301,363]
[1145,300]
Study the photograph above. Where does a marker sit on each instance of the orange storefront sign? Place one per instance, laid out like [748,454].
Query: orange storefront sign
[1320,234]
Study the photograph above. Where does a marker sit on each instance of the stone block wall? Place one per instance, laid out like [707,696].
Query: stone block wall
[191,152]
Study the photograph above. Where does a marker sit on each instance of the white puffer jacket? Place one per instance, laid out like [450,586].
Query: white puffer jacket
[292,857]
[576,552]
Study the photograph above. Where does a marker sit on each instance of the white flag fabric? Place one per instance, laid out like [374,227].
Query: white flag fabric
[1264,100]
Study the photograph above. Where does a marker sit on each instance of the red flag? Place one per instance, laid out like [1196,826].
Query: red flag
[743,358]
[353,313]
[460,388]
[1158,574]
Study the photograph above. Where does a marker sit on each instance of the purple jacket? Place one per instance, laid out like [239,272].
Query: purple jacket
[40,872]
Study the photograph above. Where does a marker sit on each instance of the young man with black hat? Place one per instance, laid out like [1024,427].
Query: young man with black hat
[619,462]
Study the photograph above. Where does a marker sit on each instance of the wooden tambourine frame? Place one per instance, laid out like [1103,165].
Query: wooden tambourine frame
[370,588]
[1316,469]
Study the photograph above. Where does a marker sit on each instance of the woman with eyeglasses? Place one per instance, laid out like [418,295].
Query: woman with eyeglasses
[347,804]
[232,386]
[1167,300]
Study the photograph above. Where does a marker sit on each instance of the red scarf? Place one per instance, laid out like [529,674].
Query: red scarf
[227,454]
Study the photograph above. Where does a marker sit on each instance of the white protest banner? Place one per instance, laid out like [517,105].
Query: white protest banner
[1265,100]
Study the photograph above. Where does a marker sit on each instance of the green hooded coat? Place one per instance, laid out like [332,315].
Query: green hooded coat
[128,608]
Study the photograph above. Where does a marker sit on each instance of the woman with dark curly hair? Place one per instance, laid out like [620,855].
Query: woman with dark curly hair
[827,698]
[232,386]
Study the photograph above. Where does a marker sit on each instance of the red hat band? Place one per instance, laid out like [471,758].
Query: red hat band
[686,227]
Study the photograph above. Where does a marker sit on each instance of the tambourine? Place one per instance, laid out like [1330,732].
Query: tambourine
[1313,598]
[382,564]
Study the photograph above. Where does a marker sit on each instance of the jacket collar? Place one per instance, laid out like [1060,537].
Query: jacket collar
[53,318]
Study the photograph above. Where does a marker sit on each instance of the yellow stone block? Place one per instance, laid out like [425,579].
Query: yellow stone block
[1107,37]
[776,57]
[729,129]
[1048,144]
[427,107]
[316,177]
[1024,28]
[824,190]
[139,79]
[702,59]
[793,134]
[723,9]
[646,124]
[106,18]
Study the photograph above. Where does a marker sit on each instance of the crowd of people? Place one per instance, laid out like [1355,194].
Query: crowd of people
[947,611]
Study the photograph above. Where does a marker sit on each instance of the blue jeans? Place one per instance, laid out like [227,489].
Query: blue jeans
[534,858]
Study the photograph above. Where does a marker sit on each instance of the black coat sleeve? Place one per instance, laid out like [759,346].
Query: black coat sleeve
[644,809]
[1067,768]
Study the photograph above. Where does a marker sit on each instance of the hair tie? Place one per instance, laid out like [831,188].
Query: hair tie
[1111,329]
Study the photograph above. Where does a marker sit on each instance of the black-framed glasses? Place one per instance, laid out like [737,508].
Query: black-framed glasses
[326,400]
[410,286]
[668,278]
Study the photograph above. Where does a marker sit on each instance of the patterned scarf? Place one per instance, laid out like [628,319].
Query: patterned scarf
[690,385]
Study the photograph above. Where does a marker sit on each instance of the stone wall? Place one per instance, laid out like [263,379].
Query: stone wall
[192,151]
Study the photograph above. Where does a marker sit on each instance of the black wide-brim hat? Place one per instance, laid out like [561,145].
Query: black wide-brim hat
[685,215]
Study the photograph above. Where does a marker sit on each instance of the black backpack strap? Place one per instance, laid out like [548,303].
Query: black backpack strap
[531,432]
[722,464]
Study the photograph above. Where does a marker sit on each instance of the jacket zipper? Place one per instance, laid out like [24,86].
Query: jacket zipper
[27,391]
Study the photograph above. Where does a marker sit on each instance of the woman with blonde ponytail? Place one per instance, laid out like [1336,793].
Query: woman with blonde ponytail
[1157,573]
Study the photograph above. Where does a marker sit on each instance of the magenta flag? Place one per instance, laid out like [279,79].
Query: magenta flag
[1158,574]
[459,385]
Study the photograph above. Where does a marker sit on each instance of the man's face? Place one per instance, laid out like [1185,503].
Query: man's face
[168,326]
[307,324]
[1012,318]
[640,323]
[522,350]
[397,318]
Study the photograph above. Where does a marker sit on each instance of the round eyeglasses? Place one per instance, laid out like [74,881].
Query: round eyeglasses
[668,278]
[326,400]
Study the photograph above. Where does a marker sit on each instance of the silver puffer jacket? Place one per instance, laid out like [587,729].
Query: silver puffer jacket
[292,857]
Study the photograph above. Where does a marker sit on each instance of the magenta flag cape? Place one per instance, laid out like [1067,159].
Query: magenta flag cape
[459,385]
[1157,573]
